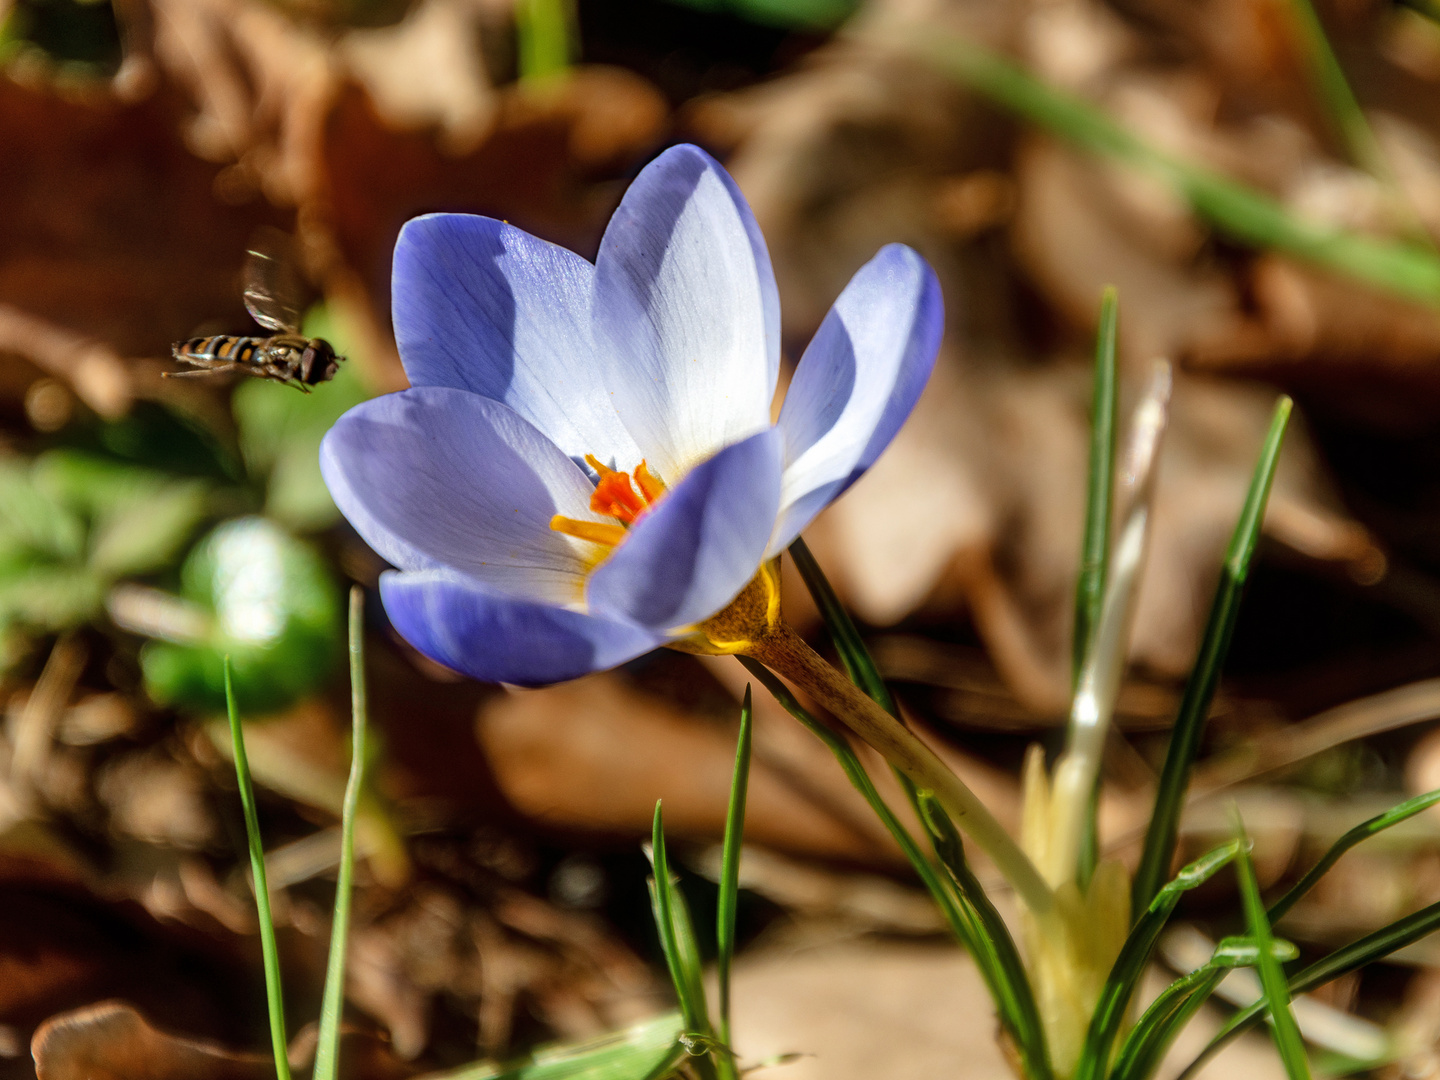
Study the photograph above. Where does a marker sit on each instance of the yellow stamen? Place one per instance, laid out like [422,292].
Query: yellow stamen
[594,531]
[600,468]
[649,484]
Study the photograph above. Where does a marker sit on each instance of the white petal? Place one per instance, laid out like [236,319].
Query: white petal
[685,298]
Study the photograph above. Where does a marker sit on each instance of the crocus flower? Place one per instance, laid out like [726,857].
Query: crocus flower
[585,466]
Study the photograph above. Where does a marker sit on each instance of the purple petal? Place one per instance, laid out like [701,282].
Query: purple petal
[688,557]
[482,306]
[471,629]
[857,382]
[438,478]
[686,300]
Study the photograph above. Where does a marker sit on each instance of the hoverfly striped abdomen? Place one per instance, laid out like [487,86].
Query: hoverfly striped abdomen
[218,349]
[287,356]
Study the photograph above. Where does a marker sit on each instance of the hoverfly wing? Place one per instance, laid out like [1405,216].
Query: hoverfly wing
[273,289]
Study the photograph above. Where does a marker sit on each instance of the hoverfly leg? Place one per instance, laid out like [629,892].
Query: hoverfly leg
[200,373]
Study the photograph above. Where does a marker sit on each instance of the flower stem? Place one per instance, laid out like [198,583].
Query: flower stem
[785,652]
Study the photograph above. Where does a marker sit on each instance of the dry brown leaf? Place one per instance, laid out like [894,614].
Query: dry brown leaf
[113,1041]
[596,754]
[114,240]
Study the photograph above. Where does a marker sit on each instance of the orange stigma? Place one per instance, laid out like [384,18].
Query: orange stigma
[616,496]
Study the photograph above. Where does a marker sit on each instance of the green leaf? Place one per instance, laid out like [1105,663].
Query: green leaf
[730,866]
[159,438]
[1095,546]
[677,938]
[855,657]
[276,613]
[1366,829]
[1200,687]
[327,1046]
[138,518]
[1357,954]
[1243,213]
[791,14]
[971,916]
[860,667]
[647,1051]
[1272,979]
[33,518]
[543,29]
[1141,1052]
[964,921]
[1129,966]
[148,534]
[1335,94]
[1008,980]
[1100,489]
[274,993]
[47,596]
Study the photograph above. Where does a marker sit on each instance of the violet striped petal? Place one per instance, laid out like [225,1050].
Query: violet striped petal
[857,383]
[471,629]
[435,478]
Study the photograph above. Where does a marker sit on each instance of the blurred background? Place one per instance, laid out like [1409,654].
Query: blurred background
[150,526]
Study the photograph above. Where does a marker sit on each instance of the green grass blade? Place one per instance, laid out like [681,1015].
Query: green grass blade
[860,779]
[860,667]
[1366,829]
[274,992]
[1336,96]
[1015,983]
[1357,954]
[1100,490]
[1134,955]
[647,1051]
[730,866]
[1272,978]
[964,922]
[681,955]
[1141,1052]
[1368,949]
[1243,213]
[1200,688]
[327,1046]
[543,30]
[1157,1027]
[1095,545]
[854,656]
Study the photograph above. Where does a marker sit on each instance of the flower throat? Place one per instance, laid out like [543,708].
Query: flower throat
[617,495]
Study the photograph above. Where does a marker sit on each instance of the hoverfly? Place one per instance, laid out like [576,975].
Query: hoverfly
[287,356]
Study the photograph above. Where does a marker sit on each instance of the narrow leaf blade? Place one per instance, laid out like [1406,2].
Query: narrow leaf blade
[959,913]
[1244,213]
[1366,829]
[730,866]
[1012,986]
[1366,950]
[1200,688]
[855,657]
[274,992]
[1100,490]
[327,1047]
[1125,975]
[646,1051]
[1272,978]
